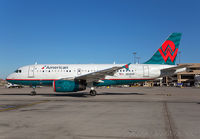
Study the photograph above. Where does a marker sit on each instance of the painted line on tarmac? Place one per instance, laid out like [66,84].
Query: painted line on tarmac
[169,123]
[21,106]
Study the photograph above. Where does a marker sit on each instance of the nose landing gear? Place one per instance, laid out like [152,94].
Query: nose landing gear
[33,93]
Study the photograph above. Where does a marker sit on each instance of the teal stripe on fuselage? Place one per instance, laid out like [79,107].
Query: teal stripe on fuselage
[50,82]
[32,82]
[118,82]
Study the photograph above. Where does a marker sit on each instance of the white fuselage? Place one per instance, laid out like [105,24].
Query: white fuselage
[60,71]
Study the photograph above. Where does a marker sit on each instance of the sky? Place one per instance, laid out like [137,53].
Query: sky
[93,31]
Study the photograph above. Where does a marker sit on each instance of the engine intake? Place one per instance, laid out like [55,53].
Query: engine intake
[68,86]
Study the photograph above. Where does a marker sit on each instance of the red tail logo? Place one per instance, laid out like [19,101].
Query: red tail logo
[168,50]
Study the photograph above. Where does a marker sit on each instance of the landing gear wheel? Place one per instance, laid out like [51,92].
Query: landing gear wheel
[33,93]
[93,93]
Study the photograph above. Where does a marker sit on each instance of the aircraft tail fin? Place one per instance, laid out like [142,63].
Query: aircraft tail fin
[167,53]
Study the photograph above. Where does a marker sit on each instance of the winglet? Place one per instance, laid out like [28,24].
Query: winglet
[126,66]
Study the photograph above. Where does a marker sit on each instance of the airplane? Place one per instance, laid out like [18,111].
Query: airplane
[77,77]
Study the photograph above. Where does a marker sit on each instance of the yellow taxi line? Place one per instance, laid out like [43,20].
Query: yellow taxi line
[22,106]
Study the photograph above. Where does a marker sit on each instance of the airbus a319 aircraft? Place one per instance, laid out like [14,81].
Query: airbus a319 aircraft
[76,77]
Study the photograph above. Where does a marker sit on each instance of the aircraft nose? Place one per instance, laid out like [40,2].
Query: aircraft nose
[10,76]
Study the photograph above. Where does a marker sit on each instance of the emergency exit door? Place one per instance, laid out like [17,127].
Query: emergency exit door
[146,71]
[31,71]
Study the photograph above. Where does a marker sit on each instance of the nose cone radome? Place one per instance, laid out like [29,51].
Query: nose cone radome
[9,77]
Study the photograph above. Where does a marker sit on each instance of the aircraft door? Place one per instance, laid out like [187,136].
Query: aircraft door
[146,71]
[31,71]
[79,71]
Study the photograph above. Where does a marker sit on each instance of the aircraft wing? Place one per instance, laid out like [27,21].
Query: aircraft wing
[174,70]
[98,75]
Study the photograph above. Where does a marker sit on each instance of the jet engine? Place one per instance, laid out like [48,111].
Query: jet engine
[68,86]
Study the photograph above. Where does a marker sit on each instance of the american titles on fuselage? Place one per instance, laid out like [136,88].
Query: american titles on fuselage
[55,67]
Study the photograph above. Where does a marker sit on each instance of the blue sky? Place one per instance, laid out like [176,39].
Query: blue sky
[93,31]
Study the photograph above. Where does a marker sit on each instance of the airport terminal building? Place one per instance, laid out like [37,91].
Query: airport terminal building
[186,78]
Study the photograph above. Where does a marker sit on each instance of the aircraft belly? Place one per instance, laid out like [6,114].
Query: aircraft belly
[119,82]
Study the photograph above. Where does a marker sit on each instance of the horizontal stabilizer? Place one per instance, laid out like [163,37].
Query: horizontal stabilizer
[174,70]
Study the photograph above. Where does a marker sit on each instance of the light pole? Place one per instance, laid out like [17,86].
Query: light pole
[134,57]
[138,60]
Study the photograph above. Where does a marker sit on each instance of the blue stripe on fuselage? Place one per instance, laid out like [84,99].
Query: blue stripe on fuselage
[50,82]
[32,82]
[118,82]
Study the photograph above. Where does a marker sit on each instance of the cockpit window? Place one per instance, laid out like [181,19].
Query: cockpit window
[18,71]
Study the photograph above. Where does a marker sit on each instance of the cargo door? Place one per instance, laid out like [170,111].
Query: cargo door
[31,71]
[146,71]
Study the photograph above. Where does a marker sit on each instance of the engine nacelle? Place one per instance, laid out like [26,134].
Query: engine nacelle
[68,86]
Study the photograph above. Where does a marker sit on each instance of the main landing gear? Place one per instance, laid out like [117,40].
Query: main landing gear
[33,93]
[93,92]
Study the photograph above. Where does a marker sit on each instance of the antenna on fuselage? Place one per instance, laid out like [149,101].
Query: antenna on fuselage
[35,63]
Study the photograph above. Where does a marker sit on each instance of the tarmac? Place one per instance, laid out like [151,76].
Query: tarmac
[115,113]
